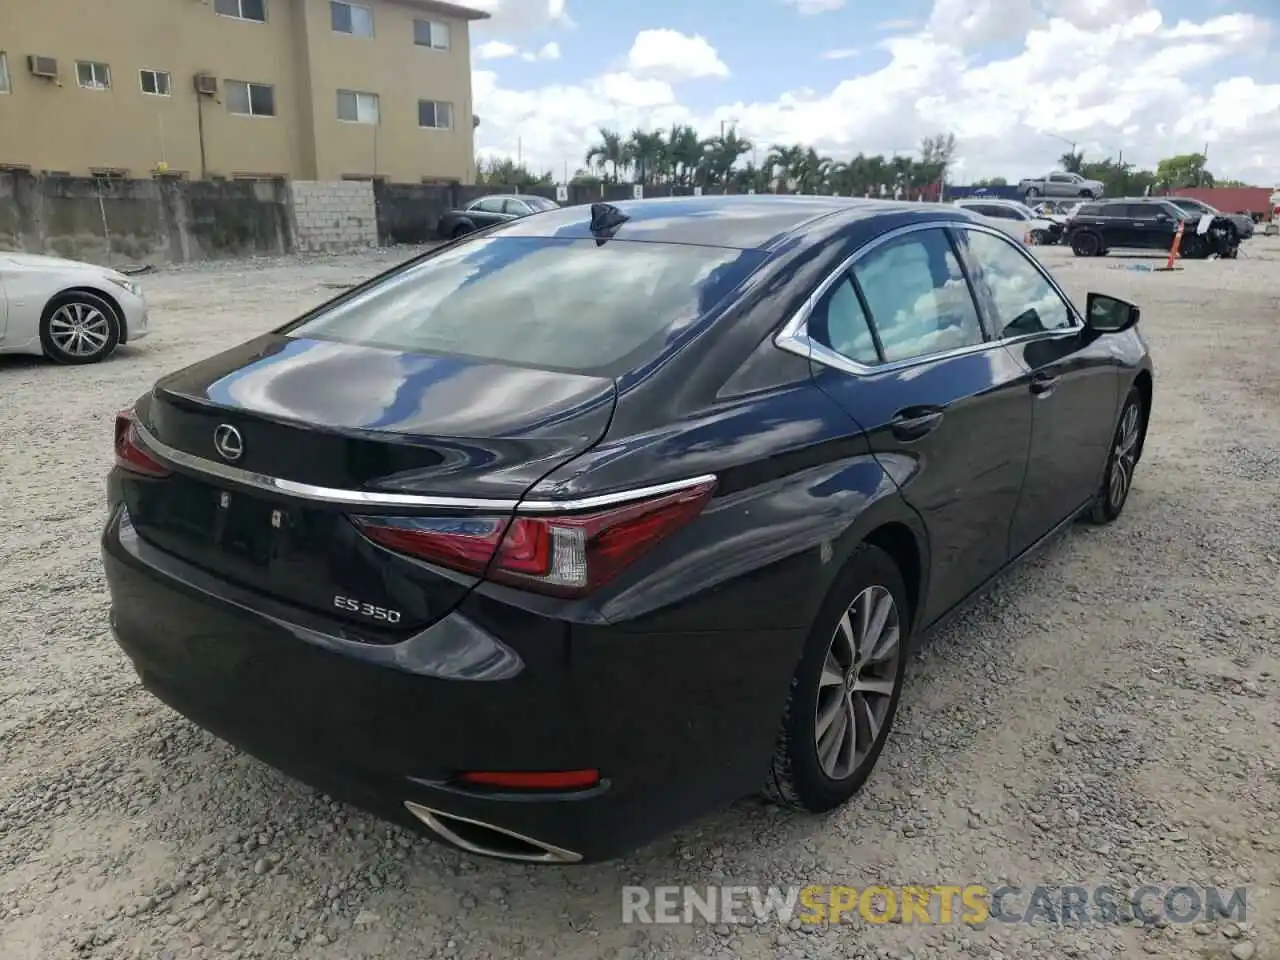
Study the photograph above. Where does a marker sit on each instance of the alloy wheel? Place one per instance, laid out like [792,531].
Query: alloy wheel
[857,684]
[79,329]
[1124,458]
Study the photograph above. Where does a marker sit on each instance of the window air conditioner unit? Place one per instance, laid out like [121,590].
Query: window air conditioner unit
[43,66]
[206,84]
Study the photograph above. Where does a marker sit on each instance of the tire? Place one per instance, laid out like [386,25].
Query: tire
[1126,445]
[798,777]
[1039,238]
[1086,243]
[1193,248]
[1031,192]
[461,230]
[79,327]
[1086,194]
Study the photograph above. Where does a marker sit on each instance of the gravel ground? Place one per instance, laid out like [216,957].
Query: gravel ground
[1107,715]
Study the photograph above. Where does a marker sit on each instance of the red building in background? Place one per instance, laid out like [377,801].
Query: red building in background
[1251,200]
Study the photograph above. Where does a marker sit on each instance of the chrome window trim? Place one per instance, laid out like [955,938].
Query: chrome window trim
[369,498]
[794,336]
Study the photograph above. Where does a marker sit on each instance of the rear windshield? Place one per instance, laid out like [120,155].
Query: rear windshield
[540,301]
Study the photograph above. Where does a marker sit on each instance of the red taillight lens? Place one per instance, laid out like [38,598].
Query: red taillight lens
[129,455]
[564,555]
[534,780]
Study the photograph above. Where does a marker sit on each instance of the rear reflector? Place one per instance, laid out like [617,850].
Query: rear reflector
[565,555]
[129,455]
[545,780]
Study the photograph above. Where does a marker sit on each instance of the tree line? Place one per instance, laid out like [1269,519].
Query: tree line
[680,157]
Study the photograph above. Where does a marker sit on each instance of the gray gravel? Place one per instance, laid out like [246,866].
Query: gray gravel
[1107,715]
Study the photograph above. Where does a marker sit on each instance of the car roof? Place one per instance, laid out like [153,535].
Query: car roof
[1012,203]
[744,222]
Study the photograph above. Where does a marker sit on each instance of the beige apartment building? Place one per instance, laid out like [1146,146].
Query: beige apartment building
[302,89]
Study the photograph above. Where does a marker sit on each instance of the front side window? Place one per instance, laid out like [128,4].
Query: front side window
[435,115]
[491,205]
[919,299]
[839,322]
[251,99]
[518,207]
[1025,301]
[255,10]
[354,107]
[93,76]
[351,18]
[541,302]
[431,33]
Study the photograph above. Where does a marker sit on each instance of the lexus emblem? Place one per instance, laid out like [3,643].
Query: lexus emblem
[228,442]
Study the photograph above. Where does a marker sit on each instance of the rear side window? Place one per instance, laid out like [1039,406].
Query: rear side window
[1114,210]
[919,299]
[1089,210]
[543,302]
[840,323]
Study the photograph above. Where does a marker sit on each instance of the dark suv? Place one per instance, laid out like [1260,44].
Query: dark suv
[1144,223]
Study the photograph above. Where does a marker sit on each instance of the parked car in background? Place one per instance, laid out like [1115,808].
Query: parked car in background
[553,539]
[1061,184]
[1015,219]
[486,211]
[69,311]
[1242,222]
[1146,223]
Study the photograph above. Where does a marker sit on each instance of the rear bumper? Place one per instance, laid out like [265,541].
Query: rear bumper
[677,724]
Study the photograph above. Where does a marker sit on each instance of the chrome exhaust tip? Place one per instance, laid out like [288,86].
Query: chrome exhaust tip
[486,840]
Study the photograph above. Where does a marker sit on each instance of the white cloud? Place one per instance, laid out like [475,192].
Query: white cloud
[548,51]
[842,54]
[1109,76]
[672,55]
[495,50]
[510,17]
[808,8]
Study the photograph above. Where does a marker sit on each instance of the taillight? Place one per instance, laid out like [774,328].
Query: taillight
[566,555]
[533,780]
[129,455]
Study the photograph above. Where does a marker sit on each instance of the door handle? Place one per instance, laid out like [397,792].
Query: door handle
[1042,384]
[914,422]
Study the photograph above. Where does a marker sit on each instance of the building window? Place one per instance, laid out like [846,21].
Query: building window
[429,33]
[351,18]
[250,99]
[255,10]
[434,114]
[4,72]
[356,107]
[156,82]
[93,76]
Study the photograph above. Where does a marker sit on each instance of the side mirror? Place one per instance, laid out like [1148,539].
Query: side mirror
[1104,314]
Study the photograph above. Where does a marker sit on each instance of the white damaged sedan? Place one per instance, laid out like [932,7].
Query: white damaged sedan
[69,311]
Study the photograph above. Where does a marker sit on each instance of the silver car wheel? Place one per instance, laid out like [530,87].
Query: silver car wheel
[859,678]
[79,329]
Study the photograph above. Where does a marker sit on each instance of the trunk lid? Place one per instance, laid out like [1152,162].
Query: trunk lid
[334,415]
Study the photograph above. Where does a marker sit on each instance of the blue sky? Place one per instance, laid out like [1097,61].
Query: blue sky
[1009,77]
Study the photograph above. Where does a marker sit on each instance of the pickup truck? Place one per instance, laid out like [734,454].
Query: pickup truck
[1061,184]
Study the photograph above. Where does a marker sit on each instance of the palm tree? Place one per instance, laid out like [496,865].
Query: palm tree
[783,163]
[685,153]
[723,152]
[1072,161]
[810,171]
[647,150]
[611,150]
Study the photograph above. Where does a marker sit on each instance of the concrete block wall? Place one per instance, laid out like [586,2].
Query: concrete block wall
[331,216]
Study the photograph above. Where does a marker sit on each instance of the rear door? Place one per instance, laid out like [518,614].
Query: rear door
[1144,228]
[945,409]
[1071,380]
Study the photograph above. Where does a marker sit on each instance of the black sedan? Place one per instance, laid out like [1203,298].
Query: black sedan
[556,537]
[486,211]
